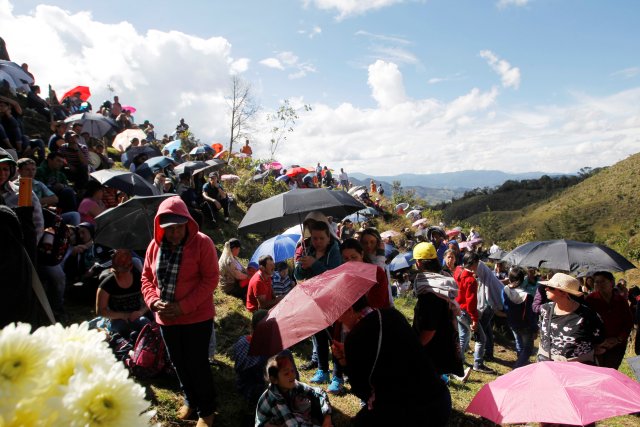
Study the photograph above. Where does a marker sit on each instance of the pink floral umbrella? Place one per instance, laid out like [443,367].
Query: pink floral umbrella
[229,177]
[557,392]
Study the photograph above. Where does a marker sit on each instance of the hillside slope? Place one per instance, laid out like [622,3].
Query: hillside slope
[603,208]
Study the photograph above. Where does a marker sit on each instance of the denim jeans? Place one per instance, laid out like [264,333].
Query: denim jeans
[188,347]
[486,321]
[465,332]
[126,328]
[524,345]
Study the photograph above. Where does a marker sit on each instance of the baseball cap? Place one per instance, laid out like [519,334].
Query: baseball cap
[169,219]
[424,250]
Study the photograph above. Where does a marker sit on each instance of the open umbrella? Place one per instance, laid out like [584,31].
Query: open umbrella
[127,182]
[353,190]
[369,211]
[401,207]
[19,76]
[222,154]
[281,248]
[159,162]
[172,146]
[498,255]
[420,221]
[96,124]
[13,84]
[557,392]
[287,209]
[190,167]
[452,233]
[296,171]
[390,233]
[413,214]
[84,91]
[284,178]
[129,225]
[273,165]
[312,306]
[229,177]
[401,261]
[201,149]
[217,147]
[129,108]
[356,218]
[568,255]
[123,139]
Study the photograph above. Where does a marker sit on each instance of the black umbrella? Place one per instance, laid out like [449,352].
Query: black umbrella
[190,167]
[127,182]
[498,255]
[290,208]
[129,225]
[568,255]
[133,152]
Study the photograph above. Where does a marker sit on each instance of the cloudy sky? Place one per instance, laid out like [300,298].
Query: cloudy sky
[395,86]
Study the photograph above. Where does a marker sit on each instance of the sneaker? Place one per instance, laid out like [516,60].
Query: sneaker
[336,387]
[484,369]
[311,364]
[463,379]
[320,377]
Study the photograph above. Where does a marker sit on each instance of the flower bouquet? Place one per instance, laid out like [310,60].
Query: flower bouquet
[60,376]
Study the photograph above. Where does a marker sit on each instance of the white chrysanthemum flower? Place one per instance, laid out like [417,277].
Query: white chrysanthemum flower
[22,361]
[101,399]
[28,412]
[59,336]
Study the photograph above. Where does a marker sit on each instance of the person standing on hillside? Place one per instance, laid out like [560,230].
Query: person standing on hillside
[373,189]
[344,180]
[614,311]
[178,279]
[246,149]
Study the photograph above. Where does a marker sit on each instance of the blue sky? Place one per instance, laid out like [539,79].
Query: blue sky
[514,85]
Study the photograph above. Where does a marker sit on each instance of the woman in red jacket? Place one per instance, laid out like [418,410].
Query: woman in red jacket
[179,276]
[468,319]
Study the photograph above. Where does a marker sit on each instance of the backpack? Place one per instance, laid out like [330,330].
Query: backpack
[149,356]
[54,243]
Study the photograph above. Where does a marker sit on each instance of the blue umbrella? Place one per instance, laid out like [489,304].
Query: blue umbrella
[388,249]
[356,218]
[402,261]
[369,211]
[202,149]
[172,146]
[159,162]
[284,178]
[281,248]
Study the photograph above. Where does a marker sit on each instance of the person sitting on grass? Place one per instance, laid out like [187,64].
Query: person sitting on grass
[288,402]
[259,291]
[249,369]
[233,276]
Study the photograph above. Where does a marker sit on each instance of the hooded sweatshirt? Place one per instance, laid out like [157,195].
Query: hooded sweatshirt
[517,305]
[198,273]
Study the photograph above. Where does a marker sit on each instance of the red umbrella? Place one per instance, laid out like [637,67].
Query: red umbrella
[557,392]
[85,93]
[312,306]
[217,147]
[296,171]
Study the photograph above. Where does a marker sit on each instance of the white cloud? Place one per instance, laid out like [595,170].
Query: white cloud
[272,63]
[453,77]
[316,30]
[515,3]
[347,8]
[386,84]
[509,75]
[290,62]
[627,73]
[165,75]
[383,37]
[394,54]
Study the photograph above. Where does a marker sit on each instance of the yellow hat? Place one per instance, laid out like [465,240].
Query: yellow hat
[424,250]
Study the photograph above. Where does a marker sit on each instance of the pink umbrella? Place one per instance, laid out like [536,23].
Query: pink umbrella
[229,177]
[557,392]
[389,233]
[129,108]
[420,221]
[273,165]
[123,139]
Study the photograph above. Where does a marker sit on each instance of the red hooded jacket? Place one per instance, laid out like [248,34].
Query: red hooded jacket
[198,273]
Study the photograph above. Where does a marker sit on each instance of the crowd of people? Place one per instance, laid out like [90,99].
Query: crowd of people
[50,223]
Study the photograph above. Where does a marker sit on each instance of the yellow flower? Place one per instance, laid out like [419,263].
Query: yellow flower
[100,399]
[22,361]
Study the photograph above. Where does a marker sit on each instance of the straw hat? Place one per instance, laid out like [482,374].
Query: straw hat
[564,282]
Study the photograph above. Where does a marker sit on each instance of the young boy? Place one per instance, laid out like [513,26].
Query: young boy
[290,402]
[281,281]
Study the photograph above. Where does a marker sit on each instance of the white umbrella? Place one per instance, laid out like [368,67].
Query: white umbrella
[19,76]
[123,139]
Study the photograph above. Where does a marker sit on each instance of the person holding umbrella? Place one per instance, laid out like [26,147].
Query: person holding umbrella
[179,276]
[403,394]
[319,253]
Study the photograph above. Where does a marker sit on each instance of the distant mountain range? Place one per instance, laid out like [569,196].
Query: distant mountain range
[438,187]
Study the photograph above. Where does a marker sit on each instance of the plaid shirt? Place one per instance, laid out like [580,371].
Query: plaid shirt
[274,408]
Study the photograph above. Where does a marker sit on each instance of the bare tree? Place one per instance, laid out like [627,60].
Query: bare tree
[283,120]
[243,109]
